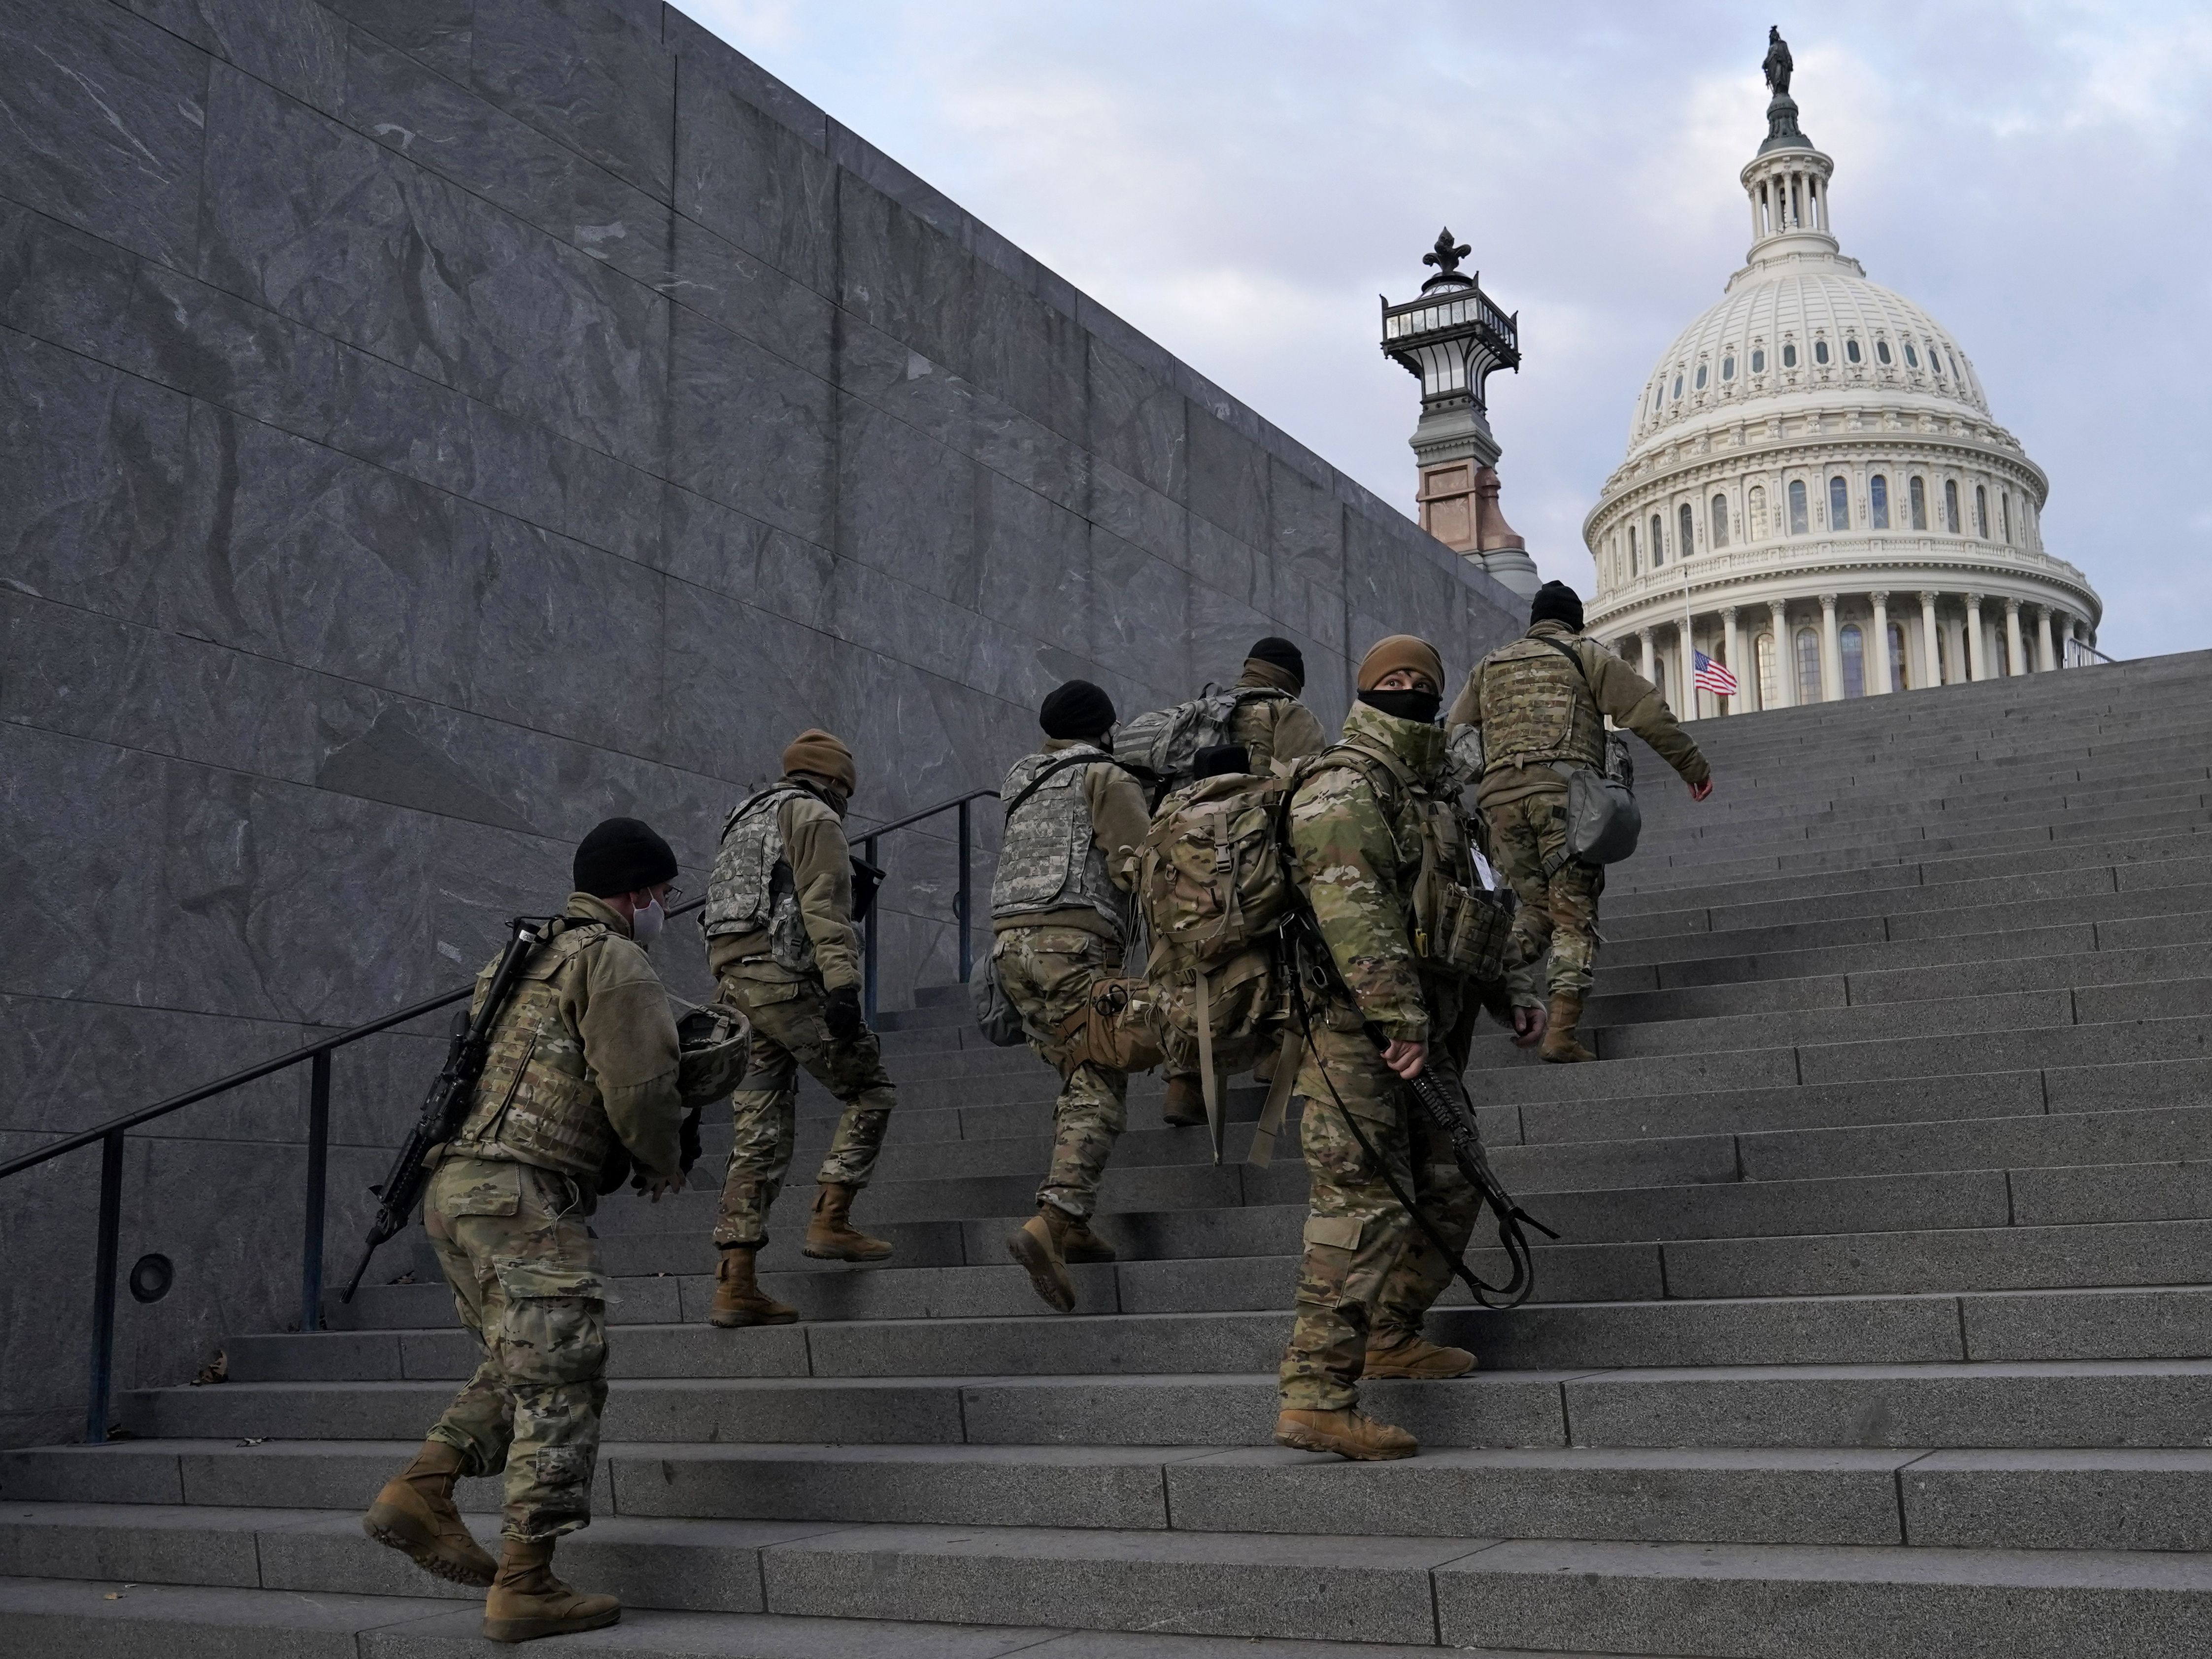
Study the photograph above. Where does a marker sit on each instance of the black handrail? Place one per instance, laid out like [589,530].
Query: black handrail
[963,898]
[99,1386]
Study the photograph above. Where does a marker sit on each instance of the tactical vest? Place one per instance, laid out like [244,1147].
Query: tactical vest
[752,886]
[1050,858]
[1538,707]
[535,1103]
[1456,927]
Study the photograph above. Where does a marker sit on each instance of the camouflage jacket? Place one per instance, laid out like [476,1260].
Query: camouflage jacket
[1615,688]
[585,1055]
[1357,867]
[812,837]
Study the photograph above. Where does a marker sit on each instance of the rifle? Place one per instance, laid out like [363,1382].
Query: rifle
[447,1102]
[1316,967]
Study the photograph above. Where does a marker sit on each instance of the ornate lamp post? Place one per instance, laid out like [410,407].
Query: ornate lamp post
[1451,339]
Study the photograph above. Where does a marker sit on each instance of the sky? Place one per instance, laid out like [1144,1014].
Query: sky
[1241,180]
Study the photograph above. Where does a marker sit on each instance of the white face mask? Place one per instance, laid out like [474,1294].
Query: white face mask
[645,925]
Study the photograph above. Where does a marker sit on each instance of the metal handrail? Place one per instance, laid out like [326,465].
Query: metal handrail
[963,898]
[100,1385]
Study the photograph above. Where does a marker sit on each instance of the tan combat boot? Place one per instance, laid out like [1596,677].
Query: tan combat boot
[527,1602]
[1039,1244]
[1349,1433]
[831,1237]
[1560,1043]
[415,1515]
[739,1298]
[1078,1243]
[1186,1107]
[1403,1354]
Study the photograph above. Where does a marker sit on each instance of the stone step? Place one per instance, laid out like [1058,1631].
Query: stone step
[2095,1499]
[2024,1405]
[163,1621]
[1189,1317]
[1817,1599]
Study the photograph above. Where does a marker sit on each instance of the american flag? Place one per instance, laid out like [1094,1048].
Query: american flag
[1714,676]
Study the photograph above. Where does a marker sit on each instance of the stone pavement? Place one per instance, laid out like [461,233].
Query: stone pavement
[1882,1324]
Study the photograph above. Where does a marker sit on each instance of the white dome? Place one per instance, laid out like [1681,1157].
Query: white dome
[1828,303]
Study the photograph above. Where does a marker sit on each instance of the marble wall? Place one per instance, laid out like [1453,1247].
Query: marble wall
[427,427]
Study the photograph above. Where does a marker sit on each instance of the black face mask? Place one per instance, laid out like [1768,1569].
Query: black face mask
[1103,740]
[1421,705]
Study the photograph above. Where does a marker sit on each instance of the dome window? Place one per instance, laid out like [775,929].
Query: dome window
[1851,648]
[1820,351]
[1851,350]
[1951,505]
[1728,368]
[1981,512]
[1881,352]
[1790,356]
[1840,504]
[1701,377]
[1809,667]
[1687,522]
[1658,541]
[1919,498]
[1756,504]
[1878,501]
[1720,521]
[1759,359]
[1678,387]
[1911,357]
[1797,525]
[1935,359]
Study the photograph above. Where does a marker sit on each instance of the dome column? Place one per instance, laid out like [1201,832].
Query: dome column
[2044,662]
[1832,651]
[1644,636]
[1785,656]
[1978,655]
[2015,654]
[1728,705]
[1879,681]
[1931,652]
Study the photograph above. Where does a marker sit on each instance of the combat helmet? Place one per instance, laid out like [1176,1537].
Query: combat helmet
[716,1041]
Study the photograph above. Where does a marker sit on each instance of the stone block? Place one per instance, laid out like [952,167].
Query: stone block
[2059,1500]
[584,73]
[748,429]
[1198,1583]
[147,1543]
[300,49]
[2131,1323]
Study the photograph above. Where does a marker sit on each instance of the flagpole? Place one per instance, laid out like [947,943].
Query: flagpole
[1689,641]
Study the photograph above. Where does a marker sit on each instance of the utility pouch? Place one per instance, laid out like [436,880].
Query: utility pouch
[1116,1027]
[1603,820]
[1471,929]
[996,1016]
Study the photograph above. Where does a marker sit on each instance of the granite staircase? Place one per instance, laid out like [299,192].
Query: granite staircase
[1881,1323]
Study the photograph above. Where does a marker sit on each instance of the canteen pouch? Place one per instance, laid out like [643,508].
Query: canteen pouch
[1471,929]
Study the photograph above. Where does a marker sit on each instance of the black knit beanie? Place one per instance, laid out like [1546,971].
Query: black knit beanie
[622,856]
[1279,652]
[1076,709]
[1557,602]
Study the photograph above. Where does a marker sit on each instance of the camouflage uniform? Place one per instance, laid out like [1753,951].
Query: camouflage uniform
[1367,1266]
[777,954]
[1538,714]
[1059,915]
[585,1058]
[1273,728]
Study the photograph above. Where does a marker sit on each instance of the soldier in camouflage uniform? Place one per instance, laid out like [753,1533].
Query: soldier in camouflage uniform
[780,938]
[1271,726]
[1369,1275]
[1060,919]
[1541,704]
[584,1065]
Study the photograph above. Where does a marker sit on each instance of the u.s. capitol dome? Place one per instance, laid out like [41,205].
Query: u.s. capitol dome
[1815,492]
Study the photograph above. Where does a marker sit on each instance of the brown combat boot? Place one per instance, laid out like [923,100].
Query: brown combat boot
[739,1298]
[1394,1352]
[1039,1244]
[831,1237]
[415,1515]
[1349,1433]
[1186,1107]
[1560,1043]
[527,1602]
[1078,1243]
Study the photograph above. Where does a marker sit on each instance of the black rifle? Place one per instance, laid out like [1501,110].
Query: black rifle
[1314,967]
[450,1094]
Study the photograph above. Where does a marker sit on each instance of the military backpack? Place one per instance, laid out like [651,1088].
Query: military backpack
[1161,747]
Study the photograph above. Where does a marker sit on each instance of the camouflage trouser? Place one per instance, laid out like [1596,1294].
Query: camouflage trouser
[789,1032]
[1561,912]
[1368,1265]
[1047,974]
[514,1243]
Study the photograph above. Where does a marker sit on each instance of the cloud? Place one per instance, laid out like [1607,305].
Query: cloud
[1240,180]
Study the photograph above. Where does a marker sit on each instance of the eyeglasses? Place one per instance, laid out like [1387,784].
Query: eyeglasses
[673,894]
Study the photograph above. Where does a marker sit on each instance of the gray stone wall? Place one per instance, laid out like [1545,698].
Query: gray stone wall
[430,426]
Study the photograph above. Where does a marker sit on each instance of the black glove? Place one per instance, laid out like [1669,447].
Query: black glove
[842,1013]
[688,1140]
